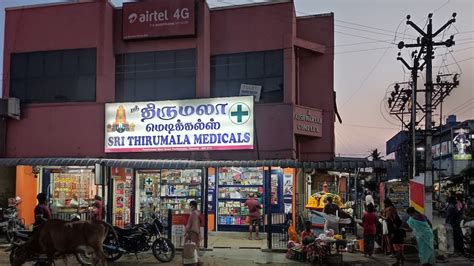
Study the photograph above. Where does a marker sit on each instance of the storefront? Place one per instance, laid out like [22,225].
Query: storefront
[70,190]
[205,108]
[138,193]
[235,184]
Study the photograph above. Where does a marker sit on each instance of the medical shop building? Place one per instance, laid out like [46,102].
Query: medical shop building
[156,103]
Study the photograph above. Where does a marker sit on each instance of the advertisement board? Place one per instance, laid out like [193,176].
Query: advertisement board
[162,18]
[462,145]
[397,192]
[181,125]
[307,121]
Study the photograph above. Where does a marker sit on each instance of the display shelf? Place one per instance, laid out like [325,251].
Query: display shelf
[229,199]
[180,197]
[181,184]
[221,214]
[246,225]
[240,186]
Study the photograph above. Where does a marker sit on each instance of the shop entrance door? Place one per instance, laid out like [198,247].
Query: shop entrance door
[147,194]
[122,196]
[228,190]
[279,207]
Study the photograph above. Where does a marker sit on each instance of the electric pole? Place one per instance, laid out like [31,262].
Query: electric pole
[426,44]
[414,75]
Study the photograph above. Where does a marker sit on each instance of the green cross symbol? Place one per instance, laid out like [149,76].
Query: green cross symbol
[148,181]
[239,113]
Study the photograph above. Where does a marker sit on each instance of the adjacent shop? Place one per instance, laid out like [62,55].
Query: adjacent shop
[71,189]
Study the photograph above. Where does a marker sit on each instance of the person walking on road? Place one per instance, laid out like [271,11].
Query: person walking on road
[369,221]
[453,218]
[422,228]
[369,198]
[254,215]
[193,227]
[42,211]
[391,218]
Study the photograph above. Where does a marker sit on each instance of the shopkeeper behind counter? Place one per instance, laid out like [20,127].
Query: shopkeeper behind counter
[76,202]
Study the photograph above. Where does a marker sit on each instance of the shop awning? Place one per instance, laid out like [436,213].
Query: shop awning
[191,164]
[183,164]
[49,161]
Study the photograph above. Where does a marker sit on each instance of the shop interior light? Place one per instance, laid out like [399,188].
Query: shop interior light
[420,148]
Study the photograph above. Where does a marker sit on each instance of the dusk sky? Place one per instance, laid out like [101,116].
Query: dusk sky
[367,32]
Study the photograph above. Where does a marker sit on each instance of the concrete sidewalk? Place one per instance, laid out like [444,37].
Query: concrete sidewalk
[234,256]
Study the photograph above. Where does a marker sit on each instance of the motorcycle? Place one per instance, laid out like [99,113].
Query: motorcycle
[9,221]
[467,227]
[140,238]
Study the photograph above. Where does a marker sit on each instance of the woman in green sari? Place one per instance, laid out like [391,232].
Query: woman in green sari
[421,226]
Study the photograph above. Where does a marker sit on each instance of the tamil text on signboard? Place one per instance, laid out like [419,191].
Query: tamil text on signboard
[162,18]
[182,125]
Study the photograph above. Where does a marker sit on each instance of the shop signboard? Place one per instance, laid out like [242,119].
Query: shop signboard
[162,18]
[307,121]
[397,192]
[181,125]
[462,145]
[251,90]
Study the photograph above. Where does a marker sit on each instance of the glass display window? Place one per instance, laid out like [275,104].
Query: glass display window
[178,188]
[72,191]
[235,184]
[148,188]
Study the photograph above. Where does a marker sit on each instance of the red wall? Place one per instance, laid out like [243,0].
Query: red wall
[253,28]
[63,26]
[316,85]
[77,129]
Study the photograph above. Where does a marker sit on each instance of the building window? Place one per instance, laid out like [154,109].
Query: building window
[163,75]
[229,71]
[54,76]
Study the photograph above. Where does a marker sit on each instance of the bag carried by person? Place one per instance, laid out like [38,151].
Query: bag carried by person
[190,255]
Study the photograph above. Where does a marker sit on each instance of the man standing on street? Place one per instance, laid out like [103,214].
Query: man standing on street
[453,218]
[254,215]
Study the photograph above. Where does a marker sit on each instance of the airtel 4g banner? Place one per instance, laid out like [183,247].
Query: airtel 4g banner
[181,125]
[161,18]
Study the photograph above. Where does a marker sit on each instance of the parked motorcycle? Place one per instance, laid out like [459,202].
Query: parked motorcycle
[140,238]
[9,221]
[467,227]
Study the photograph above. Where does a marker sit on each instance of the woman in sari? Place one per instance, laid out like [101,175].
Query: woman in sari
[421,226]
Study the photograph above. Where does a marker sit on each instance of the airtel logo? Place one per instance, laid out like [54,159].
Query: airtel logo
[132,17]
[159,16]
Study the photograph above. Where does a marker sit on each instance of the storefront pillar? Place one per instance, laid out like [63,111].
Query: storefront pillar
[205,189]
[26,189]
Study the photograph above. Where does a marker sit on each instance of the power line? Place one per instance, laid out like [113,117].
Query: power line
[366,126]
[470,108]
[457,107]
[370,27]
[367,77]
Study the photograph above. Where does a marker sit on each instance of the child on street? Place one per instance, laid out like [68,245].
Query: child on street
[369,223]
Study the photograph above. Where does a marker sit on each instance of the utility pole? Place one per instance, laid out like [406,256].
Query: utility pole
[414,75]
[427,43]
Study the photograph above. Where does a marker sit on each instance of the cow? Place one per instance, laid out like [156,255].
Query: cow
[58,238]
